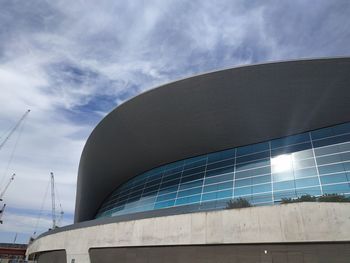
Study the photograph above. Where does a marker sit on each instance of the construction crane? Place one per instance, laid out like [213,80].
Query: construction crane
[14,129]
[2,212]
[55,220]
[7,186]
[53,201]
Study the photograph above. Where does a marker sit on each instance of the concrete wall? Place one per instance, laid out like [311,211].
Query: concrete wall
[270,253]
[299,222]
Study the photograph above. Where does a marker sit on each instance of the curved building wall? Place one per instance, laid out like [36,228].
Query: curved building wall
[313,163]
[209,113]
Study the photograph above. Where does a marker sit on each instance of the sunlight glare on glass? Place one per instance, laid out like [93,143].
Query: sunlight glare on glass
[281,163]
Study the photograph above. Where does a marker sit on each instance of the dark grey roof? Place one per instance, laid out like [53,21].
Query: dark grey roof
[208,113]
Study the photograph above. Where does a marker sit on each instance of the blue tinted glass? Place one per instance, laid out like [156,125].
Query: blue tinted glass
[253,164]
[220,164]
[313,181]
[308,172]
[218,187]
[164,204]
[332,140]
[166,197]
[191,184]
[295,139]
[253,172]
[309,191]
[261,188]
[192,191]
[215,177]
[284,185]
[334,178]
[252,148]
[188,200]
[252,157]
[243,191]
[220,171]
[336,188]
[219,178]
[291,149]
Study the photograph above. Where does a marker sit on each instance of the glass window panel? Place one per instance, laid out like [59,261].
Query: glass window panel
[313,181]
[309,191]
[243,191]
[261,188]
[332,140]
[331,131]
[164,204]
[193,171]
[285,185]
[137,193]
[283,176]
[192,178]
[258,147]
[219,178]
[191,184]
[172,177]
[335,158]
[284,194]
[334,178]
[168,190]
[300,164]
[166,197]
[190,192]
[253,172]
[224,194]
[336,188]
[346,166]
[253,164]
[228,154]
[197,163]
[151,189]
[262,198]
[332,168]
[294,139]
[187,200]
[220,171]
[243,182]
[308,172]
[291,149]
[262,179]
[209,196]
[327,150]
[303,154]
[153,182]
[252,157]
[218,187]
[149,194]
[220,164]
[344,147]
[169,183]
[345,156]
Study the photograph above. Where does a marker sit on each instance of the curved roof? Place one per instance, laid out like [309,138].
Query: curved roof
[208,113]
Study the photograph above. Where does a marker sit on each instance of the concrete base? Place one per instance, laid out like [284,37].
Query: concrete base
[299,223]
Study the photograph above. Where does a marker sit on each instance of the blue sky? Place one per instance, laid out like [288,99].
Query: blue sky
[71,62]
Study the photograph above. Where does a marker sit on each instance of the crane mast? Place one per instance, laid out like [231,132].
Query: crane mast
[53,201]
[7,186]
[14,129]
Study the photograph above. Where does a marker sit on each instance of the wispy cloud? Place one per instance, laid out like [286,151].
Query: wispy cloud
[71,62]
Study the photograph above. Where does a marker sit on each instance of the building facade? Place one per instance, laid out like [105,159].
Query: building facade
[156,175]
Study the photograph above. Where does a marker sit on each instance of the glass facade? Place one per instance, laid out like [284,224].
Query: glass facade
[315,163]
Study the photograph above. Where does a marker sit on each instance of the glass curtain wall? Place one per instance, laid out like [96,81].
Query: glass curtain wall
[314,163]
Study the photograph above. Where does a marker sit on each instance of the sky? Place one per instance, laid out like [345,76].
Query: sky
[72,62]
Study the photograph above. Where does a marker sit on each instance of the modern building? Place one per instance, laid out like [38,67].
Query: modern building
[157,173]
